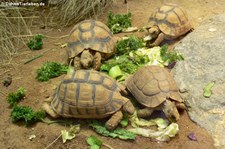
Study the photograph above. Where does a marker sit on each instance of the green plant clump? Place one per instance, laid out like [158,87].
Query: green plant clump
[14,98]
[130,44]
[118,22]
[50,70]
[128,64]
[127,61]
[35,43]
[171,56]
[26,114]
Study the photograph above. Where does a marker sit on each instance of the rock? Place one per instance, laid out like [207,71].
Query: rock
[204,54]
[7,80]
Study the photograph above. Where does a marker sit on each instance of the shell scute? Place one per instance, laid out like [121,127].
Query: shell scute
[87,94]
[90,34]
[171,19]
[152,85]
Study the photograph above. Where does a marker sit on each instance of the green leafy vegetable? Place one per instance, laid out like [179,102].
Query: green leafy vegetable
[14,98]
[69,135]
[124,122]
[117,133]
[208,89]
[115,72]
[125,60]
[165,130]
[35,43]
[26,114]
[50,70]
[171,56]
[160,135]
[153,55]
[136,122]
[129,44]
[118,22]
[94,142]
[126,63]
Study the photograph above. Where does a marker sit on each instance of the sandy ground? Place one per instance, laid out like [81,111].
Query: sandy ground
[16,136]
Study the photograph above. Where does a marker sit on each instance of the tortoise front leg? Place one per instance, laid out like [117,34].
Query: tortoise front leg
[158,40]
[97,61]
[76,63]
[114,120]
[145,112]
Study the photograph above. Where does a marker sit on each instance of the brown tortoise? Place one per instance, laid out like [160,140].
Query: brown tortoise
[155,88]
[168,22]
[90,41]
[89,94]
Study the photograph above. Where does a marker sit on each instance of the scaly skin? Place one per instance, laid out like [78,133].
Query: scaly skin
[156,34]
[86,59]
[169,108]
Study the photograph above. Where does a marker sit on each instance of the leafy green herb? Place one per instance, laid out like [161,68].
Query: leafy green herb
[127,62]
[129,44]
[35,43]
[14,98]
[50,70]
[208,89]
[117,133]
[94,142]
[26,114]
[170,57]
[124,63]
[118,22]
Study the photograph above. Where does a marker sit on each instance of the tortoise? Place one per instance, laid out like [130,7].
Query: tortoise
[167,22]
[89,42]
[154,88]
[89,94]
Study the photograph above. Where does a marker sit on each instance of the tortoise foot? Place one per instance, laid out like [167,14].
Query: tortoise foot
[114,120]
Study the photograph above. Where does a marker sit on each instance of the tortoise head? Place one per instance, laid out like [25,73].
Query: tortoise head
[154,31]
[86,59]
[171,111]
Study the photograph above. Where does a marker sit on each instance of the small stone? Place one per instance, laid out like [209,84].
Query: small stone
[212,29]
[7,80]
[192,136]
[32,137]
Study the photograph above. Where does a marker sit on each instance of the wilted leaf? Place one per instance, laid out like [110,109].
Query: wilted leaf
[161,135]
[69,135]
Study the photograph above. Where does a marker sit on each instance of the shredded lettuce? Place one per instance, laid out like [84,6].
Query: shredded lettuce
[165,130]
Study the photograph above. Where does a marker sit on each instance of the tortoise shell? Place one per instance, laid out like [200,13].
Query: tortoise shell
[171,19]
[90,34]
[87,94]
[152,85]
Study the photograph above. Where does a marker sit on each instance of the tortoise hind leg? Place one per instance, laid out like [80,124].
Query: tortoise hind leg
[114,120]
[48,109]
[145,112]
